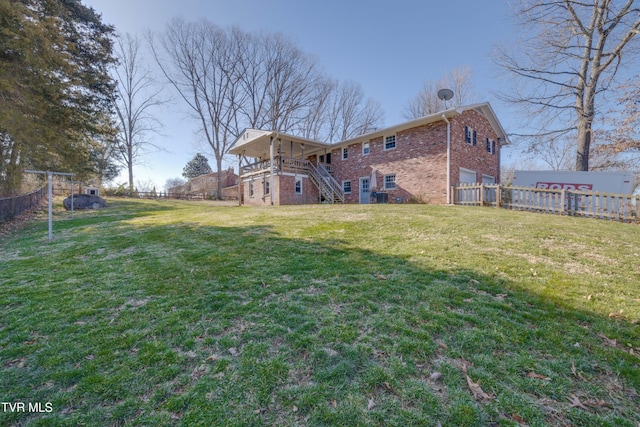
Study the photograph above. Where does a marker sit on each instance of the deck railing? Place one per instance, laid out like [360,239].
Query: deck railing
[280,164]
[589,204]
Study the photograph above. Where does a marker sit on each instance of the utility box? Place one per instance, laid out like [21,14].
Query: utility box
[382,197]
[603,182]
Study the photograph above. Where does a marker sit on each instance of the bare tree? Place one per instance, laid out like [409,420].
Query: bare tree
[556,152]
[136,95]
[568,58]
[350,114]
[292,77]
[231,79]
[314,124]
[620,148]
[174,182]
[340,111]
[198,59]
[427,102]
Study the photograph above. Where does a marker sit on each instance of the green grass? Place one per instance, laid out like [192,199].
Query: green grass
[178,313]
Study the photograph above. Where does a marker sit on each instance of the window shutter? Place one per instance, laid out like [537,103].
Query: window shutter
[474,137]
[466,134]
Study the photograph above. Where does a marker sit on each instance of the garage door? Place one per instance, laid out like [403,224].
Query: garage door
[467,176]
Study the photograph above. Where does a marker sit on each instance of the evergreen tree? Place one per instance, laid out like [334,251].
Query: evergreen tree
[197,166]
[54,87]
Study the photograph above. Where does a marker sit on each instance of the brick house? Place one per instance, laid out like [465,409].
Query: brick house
[207,185]
[415,161]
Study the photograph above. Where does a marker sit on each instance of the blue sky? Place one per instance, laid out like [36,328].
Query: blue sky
[390,48]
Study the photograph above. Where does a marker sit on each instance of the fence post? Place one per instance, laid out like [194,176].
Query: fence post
[563,199]
[498,195]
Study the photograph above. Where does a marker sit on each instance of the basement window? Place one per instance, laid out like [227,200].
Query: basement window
[390,182]
[266,187]
[298,186]
[346,187]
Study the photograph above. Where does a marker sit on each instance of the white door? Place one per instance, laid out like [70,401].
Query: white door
[365,196]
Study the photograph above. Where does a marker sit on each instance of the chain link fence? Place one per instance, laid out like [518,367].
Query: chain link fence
[10,207]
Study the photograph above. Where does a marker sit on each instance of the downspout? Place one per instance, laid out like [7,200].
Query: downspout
[240,179]
[498,146]
[271,189]
[448,158]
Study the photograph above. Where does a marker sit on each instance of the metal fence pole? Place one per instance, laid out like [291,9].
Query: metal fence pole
[50,185]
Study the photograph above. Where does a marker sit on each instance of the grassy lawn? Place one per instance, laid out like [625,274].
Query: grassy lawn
[185,313]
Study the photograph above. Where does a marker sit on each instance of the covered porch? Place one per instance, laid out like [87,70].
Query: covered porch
[269,154]
[273,152]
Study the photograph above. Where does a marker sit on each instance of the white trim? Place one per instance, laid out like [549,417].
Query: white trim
[350,187]
[492,145]
[368,178]
[395,142]
[295,183]
[395,182]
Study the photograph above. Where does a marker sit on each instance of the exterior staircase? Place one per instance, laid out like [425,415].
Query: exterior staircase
[329,188]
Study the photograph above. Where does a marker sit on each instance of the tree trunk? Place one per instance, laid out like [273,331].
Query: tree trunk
[584,144]
[130,166]
[219,166]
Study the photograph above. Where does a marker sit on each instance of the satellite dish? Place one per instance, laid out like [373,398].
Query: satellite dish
[445,94]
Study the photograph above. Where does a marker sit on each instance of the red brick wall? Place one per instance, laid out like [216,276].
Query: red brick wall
[258,198]
[288,196]
[473,157]
[284,192]
[419,160]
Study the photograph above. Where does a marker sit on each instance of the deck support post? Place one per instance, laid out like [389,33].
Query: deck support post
[272,179]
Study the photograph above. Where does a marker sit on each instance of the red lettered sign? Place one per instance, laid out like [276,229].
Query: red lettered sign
[563,186]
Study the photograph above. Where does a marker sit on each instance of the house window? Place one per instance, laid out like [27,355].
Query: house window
[345,153]
[298,186]
[491,146]
[390,142]
[390,182]
[251,189]
[470,135]
[266,186]
[366,148]
[346,187]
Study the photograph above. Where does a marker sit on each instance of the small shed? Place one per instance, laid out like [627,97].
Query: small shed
[91,191]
